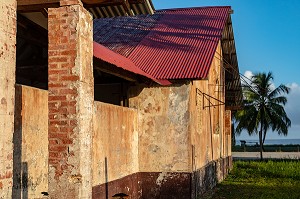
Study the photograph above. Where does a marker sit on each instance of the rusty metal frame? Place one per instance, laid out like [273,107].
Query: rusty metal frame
[206,96]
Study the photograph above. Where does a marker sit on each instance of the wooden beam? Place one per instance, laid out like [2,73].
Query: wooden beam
[36,5]
[36,2]
[93,3]
[114,70]
[112,1]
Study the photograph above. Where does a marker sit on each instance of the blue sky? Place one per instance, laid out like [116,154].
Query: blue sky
[267,37]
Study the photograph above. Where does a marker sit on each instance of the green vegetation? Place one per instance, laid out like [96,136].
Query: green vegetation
[263,108]
[260,180]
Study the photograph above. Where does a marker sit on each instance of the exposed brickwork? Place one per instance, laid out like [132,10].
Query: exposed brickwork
[70,102]
[7,93]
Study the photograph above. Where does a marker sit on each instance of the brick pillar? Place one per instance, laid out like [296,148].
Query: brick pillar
[7,93]
[70,102]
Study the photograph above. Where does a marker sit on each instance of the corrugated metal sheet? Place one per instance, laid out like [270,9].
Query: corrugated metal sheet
[109,56]
[182,44]
[123,34]
[171,44]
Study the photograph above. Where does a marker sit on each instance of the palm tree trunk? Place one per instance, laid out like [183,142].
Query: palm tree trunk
[260,138]
[263,142]
[261,145]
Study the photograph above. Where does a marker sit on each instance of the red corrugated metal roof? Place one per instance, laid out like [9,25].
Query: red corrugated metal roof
[179,44]
[120,61]
[182,44]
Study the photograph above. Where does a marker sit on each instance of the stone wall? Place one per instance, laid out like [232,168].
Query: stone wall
[7,93]
[30,156]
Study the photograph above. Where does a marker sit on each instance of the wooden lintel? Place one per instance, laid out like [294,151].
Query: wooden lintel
[36,2]
[36,5]
[114,70]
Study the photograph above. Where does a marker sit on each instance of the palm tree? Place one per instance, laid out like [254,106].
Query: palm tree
[263,108]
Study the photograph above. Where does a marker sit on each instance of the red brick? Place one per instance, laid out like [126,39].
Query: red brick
[51,85]
[52,78]
[69,52]
[56,98]
[53,142]
[57,59]
[67,91]
[53,65]
[68,103]
[53,155]
[57,148]
[53,110]
[58,135]
[69,78]
[53,116]
[58,71]
[72,110]
[53,129]
[57,122]
[73,122]
[67,141]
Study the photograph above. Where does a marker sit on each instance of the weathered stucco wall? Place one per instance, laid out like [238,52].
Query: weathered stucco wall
[7,93]
[163,127]
[30,143]
[210,129]
[115,143]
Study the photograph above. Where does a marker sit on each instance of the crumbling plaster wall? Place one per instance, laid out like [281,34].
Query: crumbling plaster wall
[163,119]
[7,93]
[30,143]
[115,143]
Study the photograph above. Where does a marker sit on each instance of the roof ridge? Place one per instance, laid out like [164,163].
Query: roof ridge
[190,8]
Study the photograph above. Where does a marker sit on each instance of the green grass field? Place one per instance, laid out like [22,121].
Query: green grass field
[260,180]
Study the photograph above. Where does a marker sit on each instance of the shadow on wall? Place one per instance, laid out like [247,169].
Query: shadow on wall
[20,169]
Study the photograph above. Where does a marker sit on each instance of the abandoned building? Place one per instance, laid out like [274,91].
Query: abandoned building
[104,99]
